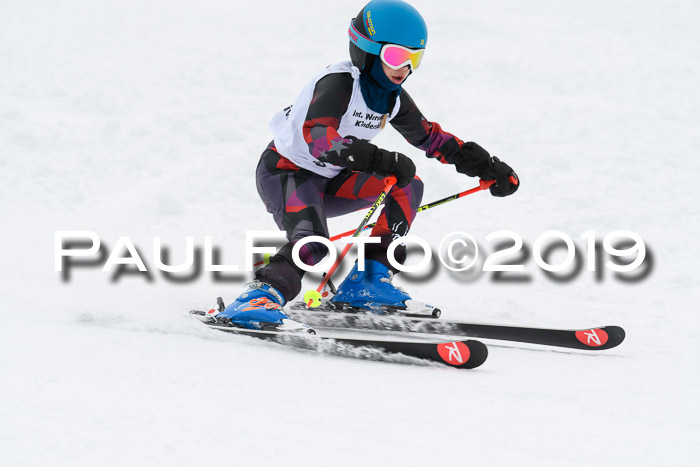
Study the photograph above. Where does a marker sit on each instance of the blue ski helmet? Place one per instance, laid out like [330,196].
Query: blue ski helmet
[385,22]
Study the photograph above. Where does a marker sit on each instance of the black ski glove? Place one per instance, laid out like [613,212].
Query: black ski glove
[475,161]
[363,156]
[396,164]
[507,181]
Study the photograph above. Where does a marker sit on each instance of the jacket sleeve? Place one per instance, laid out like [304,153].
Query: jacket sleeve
[329,103]
[469,157]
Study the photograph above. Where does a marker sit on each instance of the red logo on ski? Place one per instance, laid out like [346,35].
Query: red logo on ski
[592,337]
[454,353]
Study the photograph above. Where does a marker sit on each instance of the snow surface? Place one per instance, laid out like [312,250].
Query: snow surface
[146,118]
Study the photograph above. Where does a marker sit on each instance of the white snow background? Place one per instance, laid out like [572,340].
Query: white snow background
[147,118]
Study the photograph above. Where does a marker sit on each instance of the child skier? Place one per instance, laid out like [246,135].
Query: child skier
[322,164]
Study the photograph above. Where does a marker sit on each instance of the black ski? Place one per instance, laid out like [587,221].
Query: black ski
[465,354]
[599,338]
[332,307]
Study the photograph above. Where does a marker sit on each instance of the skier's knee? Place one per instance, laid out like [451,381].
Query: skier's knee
[312,252]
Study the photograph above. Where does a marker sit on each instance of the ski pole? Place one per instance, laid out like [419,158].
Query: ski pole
[312,298]
[483,185]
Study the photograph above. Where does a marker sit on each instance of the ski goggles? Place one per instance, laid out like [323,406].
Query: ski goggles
[394,56]
[397,56]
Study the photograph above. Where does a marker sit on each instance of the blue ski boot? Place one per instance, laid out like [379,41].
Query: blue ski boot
[260,307]
[372,290]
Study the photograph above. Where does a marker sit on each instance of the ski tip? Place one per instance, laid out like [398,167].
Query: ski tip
[479,353]
[463,354]
[615,335]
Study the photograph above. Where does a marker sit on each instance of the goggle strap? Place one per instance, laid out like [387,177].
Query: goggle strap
[363,42]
